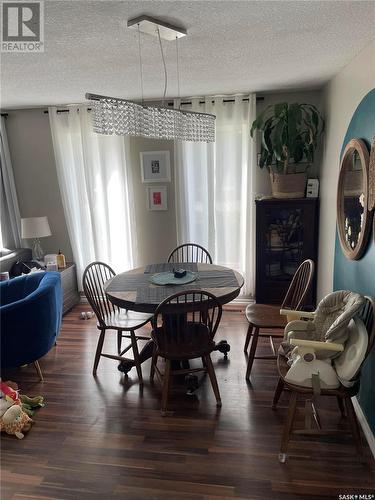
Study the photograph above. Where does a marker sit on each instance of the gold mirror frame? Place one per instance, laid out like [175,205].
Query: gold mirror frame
[360,147]
[371,176]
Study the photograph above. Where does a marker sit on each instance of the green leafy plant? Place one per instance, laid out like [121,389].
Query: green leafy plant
[290,135]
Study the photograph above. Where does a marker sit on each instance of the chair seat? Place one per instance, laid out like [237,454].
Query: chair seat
[265,316]
[126,320]
[283,368]
[194,342]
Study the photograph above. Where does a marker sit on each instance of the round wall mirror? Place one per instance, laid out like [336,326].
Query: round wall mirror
[353,218]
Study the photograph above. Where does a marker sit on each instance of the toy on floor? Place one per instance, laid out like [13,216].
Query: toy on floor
[15,421]
[16,409]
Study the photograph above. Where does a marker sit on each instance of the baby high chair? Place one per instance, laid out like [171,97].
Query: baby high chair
[311,345]
[324,356]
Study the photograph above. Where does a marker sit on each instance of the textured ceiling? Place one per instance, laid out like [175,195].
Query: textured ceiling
[231,47]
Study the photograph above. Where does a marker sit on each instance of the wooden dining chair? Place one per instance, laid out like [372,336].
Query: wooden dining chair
[190,252]
[264,316]
[343,394]
[111,317]
[184,328]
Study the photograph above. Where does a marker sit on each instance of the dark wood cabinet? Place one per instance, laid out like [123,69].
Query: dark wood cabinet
[71,295]
[286,235]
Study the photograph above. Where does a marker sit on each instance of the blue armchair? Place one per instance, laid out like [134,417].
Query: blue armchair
[30,316]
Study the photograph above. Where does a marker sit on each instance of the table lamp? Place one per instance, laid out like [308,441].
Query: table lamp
[35,227]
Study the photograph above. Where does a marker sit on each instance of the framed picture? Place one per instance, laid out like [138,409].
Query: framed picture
[155,166]
[157,198]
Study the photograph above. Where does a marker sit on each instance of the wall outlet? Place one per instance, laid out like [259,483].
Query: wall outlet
[312,190]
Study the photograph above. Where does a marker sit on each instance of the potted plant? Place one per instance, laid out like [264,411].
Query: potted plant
[290,134]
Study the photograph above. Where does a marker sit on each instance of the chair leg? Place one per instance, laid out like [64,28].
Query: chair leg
[119,341]
[98,350]
[38,370]
[154,361]
[354,426]
[136,356]
[166,386]
[278,391]
[248,337]
[253,348]
[288,426]
[211,373]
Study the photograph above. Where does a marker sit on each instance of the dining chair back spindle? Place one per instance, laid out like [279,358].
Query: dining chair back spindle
[190,252]
[299,286]
[111,317]
[184,328]
[94,277]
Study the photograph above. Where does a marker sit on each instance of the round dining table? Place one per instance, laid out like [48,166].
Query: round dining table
[134,290]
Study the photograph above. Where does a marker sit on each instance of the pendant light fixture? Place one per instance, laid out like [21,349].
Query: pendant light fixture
[116,116]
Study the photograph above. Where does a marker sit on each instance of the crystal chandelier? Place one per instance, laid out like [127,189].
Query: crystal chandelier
[116,116]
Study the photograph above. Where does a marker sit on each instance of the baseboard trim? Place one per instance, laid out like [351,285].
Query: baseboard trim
[364,424]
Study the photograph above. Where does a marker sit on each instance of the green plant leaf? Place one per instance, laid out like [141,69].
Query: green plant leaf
[294,119]
[263,158]
[298,151]
[280,109]
[277,139]
[288,132]
[259,121]
[266,139]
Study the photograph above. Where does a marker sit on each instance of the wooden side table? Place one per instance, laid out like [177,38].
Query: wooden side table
[71,295]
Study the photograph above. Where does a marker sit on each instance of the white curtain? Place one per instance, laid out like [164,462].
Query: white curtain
[94,177]
[10,234]
[214,198]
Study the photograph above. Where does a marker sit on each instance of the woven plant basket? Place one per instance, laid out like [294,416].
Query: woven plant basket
[288,185]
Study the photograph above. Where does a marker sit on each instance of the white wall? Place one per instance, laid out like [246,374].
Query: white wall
[341,97]
[156,230]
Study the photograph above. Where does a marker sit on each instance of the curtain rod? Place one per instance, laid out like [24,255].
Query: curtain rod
[169,103]
[61,111]
[258,99]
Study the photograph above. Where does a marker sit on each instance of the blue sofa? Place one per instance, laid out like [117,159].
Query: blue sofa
[30,317]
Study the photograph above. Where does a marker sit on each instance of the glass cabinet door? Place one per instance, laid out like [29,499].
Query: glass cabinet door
[286,235]
[284,242]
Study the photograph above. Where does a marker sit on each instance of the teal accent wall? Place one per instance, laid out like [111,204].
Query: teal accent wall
[359,275]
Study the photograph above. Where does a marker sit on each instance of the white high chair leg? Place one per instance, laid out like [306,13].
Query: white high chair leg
[288,427]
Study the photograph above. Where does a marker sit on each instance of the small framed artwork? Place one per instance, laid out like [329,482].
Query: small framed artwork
[157,198]
[155,166]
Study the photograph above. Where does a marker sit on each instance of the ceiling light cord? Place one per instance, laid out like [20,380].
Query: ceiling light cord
[140,62]
[164,66]
[178,71]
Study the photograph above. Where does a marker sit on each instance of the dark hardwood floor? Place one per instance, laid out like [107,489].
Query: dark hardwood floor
[105,438]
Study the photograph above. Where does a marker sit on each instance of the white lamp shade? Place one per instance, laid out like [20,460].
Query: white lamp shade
[35,227]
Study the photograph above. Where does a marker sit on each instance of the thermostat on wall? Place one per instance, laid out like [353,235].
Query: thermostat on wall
[312,190]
